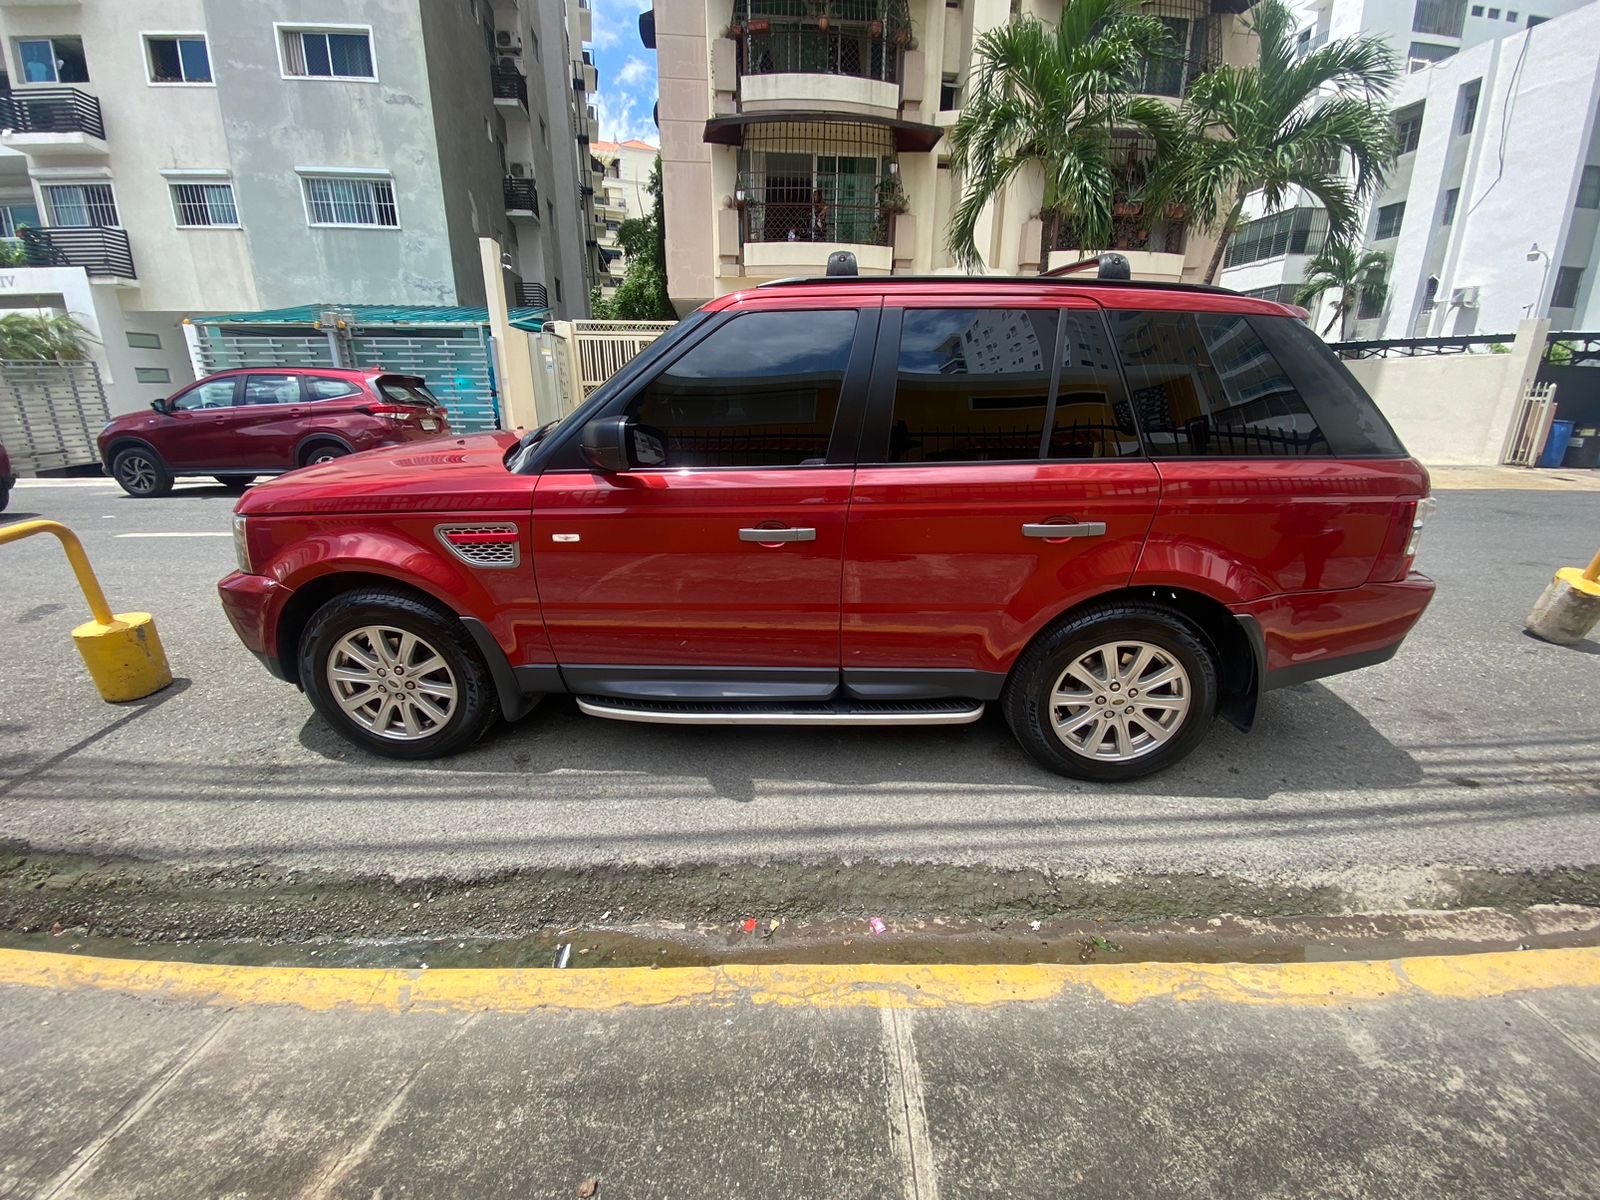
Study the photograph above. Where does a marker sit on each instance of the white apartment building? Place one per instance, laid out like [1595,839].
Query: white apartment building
[625,175]
[791,130]
[171,158]
[1496,119]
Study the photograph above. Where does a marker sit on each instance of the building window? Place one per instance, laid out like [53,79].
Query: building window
[558,289]
[81,205]
[343,200]
[1442,17]
[1494,14]
[16,217]
[1477,10]
[1533,20]
[1469,106]
[1293,231]
[179,58]
[1370,305]
[1389,218]
[198,204]
[1408,128]
[1511,15]
[1170,73]
[144,341]
[52,60]
[544,133]
[328,53]
[949,94]
[1566,293]
[152,375]
[1450,200]
[1283,293]
[1589,187]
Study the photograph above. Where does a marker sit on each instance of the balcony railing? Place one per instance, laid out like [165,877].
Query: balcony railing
[532,295]
[102,252]
[52,110]
[510,84]
[780,46]
[779,209]
[521,195]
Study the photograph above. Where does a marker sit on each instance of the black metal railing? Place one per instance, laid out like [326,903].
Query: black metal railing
[102,252]
[510,84]
[1572,349]
[51,110]
[521,195]
[781,214]
[532,295]
[778,46]
[1134,226]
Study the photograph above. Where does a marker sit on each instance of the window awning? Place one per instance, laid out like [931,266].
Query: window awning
[908,135]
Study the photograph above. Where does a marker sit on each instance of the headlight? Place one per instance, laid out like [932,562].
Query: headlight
[241,545]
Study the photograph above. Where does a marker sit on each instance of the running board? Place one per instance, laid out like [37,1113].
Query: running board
[753,712]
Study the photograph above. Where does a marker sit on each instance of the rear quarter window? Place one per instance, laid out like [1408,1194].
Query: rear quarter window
[1346,414]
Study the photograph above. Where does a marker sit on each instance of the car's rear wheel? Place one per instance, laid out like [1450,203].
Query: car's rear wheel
[235,483]
[5,497]
[396,675]
[141,472]
[1118,692]
[323,452]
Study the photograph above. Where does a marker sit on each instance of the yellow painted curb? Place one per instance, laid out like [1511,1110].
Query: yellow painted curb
[1466,976]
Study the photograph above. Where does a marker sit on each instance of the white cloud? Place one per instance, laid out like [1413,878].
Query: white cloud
[602,36]
[623,117]
[634,72]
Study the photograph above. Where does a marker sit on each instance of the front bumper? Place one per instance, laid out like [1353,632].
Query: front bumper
[253,604]
[1307,635]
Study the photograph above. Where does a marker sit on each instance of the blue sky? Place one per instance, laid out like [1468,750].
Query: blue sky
[627,72]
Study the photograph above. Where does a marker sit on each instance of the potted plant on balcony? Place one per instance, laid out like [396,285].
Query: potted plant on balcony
[758,25]
[891,197]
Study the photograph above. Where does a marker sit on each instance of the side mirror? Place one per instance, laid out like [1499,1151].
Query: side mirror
[604,442]
[159,404]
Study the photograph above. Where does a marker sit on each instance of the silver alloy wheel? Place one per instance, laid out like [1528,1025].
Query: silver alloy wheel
[137,473]
[391,683]
[323,456]
[1120,701]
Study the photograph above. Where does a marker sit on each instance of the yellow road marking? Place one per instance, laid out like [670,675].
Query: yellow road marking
[1464,976]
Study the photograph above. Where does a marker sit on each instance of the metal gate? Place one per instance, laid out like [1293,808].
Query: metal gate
[1536,409]
[50,413]
[219,350]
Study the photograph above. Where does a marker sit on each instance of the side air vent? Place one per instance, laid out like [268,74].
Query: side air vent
[496,545]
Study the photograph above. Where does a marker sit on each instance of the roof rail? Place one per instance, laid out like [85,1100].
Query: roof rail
[891,281]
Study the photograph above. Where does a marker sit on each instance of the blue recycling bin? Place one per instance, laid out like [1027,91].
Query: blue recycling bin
[1555,446]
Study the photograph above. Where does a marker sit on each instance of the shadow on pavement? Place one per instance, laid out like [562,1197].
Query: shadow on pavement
[134,710]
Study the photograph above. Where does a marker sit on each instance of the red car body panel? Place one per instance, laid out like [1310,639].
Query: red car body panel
[1304,628]
[267,438]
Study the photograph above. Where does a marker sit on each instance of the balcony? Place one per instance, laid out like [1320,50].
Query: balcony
[103,253]
[791,63]
[51,121]
[510,88]
[522,197]
[532,295]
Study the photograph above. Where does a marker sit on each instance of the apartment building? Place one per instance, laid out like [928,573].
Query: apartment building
[625,175]
[790,130]
[1486,87]
[170,158]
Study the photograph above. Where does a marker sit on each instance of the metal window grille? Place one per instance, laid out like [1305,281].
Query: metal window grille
[1389,218]
[1194,41]
[860,38]
[1135,225]
[819,182]
[80,205]
[1292,231]
[340,201]
[204,204]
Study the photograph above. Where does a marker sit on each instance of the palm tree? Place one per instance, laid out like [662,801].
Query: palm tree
[1054,97]
[30,337]
[1353,273]
[1275,126]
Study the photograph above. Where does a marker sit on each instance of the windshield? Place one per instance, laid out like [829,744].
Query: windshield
[402,390]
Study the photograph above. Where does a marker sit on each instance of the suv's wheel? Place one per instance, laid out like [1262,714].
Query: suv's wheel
[141,472]
[396,675]
[1115,693]
[323,452]
[5,497]
[235,483]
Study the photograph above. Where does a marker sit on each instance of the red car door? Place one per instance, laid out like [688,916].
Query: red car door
[270,422]
[194,433]
[1001,482]
[716,557]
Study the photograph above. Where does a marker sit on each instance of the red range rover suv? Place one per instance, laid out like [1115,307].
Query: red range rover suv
[237,425]
[1113,509]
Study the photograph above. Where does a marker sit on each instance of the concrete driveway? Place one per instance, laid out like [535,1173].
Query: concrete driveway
[1476,747]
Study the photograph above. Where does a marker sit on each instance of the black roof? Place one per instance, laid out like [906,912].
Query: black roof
[1088,281]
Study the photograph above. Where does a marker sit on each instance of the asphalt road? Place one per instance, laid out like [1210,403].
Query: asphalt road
[1476,747]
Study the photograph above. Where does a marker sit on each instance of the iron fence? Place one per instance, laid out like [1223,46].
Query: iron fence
[1494,343]
[52,110]
[776,46]
[1572,349]
[532,295]
[50,413]
[509,84]
[103,253]
[521,195]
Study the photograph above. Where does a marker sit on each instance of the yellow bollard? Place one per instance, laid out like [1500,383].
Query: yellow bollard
[1570,606]
[121,650]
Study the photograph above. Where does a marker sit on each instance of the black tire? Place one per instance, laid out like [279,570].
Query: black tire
[5,498]
[140,472]
[1027,699]
[235,483]
[322,452]
[476,704]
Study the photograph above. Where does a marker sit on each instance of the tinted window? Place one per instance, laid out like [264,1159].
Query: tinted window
[218,393]
[272,389]
[407,391]
[762,391]
[1348,418]
[1092,417]
[973,384]
[320,388]
[1205,384]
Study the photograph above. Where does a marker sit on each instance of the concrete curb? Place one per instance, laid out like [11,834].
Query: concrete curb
[1468,976]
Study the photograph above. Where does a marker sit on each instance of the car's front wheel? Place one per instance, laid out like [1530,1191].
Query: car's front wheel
[1116,693]
[141,472]
[396,675]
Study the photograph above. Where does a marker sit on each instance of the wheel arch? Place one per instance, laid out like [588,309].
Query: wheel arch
[310,441]
[128,441]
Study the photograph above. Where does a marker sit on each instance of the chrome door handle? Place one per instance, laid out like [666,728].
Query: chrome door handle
[777,535]
[1082,529]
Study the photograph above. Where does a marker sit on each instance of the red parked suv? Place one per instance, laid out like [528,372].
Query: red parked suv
[1114,509]
[236,425]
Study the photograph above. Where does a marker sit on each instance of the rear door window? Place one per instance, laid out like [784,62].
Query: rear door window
[326,387]
[271,389]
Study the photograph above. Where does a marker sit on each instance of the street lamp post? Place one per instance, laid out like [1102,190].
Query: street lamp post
[1534,255]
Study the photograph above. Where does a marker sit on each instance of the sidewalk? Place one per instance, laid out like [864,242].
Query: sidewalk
[1476,1076]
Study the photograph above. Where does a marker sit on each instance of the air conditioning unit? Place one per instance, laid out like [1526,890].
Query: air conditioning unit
[510,64]
[520,170]
[508,42]
[1464,297]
